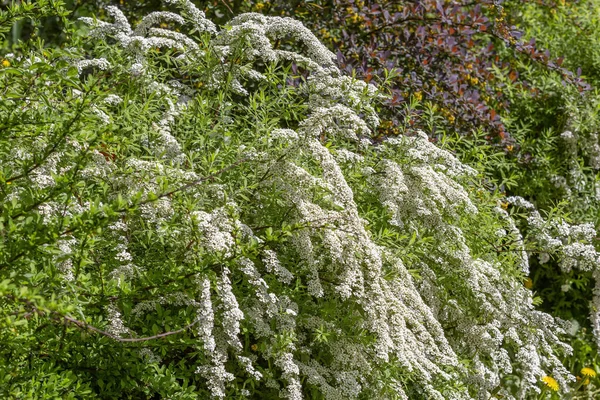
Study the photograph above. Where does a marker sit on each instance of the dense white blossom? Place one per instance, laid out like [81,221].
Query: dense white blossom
[216,229]
[113,99]
[100,63]
[116,326]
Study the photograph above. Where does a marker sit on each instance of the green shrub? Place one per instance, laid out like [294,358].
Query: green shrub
[186,215]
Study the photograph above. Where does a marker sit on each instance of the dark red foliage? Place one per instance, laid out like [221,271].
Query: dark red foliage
[460,55]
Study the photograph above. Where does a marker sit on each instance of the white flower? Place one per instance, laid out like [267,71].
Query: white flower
[100,63]
[113,99]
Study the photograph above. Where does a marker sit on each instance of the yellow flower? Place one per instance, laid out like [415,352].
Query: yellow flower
[259,6]
[528,283]
[551,383]
[588,372]
[5,63]
[418,96]
[254,347]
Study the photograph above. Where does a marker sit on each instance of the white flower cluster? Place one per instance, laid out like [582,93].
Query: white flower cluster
[113,100]
[425,190]
[273,266]
[176,299]
[231,313]
[260,30]
[65,266]
[578,152]
[256,33]
[215,373]
[216,229]
[571,244]
[116,327]
[145,37]
[101,115]
[167,146]
[293,390]
[328,85]
[100,63]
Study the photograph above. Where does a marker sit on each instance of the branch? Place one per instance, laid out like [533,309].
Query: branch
[86,326]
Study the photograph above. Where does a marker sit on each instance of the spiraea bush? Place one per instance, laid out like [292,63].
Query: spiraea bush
[190,211]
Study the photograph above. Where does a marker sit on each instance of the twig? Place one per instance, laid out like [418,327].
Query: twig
[227,5]
[83,325]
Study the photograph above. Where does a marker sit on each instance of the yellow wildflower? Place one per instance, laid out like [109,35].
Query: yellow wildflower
[551,383]
[418,96]
[259,6]
[254,347]
[588,372]
[5,63]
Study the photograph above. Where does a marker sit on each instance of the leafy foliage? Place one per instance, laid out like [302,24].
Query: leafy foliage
[186,209]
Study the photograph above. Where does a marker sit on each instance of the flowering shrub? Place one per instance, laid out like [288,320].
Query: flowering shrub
[178,220]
